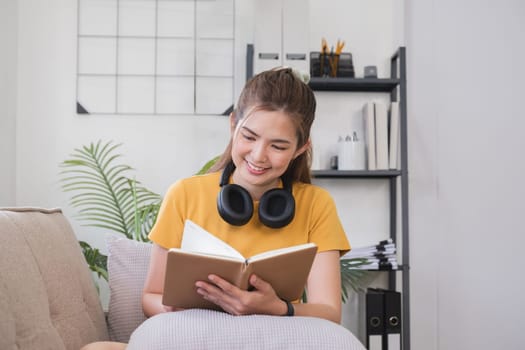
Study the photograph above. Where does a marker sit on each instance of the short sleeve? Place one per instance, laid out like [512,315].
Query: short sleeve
[326,229]
[167,231]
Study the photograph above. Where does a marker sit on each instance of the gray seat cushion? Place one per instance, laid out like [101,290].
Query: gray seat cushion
[207,329]
[202,329]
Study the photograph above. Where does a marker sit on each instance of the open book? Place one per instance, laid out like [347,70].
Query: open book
[201,254]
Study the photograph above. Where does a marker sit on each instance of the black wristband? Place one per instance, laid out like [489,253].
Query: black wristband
[289,308]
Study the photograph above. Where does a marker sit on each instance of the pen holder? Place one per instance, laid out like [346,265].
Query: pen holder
[331,65]
[351,155]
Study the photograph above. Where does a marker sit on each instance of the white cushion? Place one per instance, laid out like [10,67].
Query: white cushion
[207,329]
[128,263]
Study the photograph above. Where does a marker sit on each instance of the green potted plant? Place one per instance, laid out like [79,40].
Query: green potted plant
[107,197]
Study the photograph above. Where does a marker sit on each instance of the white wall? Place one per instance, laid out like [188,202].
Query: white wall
[161,148]
[466,171]
[8,56]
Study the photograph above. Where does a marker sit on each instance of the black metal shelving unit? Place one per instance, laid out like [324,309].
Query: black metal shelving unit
[354,84]
[398,179]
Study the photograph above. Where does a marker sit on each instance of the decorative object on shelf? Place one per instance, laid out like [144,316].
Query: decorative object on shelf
[351,153]
[331,63]
[370,72]
[334,162]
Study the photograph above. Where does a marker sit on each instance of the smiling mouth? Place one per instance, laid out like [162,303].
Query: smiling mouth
[255,168]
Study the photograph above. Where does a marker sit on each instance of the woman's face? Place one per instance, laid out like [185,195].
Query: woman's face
[264,143]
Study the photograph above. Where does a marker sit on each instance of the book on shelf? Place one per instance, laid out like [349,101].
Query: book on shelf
[370,135]
[381,137]
[394,136]
[382,245]
[202,254]
[379,256]
[383,265]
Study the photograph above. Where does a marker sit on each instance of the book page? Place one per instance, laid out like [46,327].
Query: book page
[197,239]
[280,251]
[209,256]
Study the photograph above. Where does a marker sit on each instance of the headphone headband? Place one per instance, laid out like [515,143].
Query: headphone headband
[226,173]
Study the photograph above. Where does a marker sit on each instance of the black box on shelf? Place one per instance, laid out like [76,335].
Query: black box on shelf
[331,65]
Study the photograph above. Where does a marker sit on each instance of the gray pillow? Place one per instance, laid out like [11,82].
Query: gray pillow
[128,263]
[207,329]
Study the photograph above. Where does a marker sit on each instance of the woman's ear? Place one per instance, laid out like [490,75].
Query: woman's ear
[303,148]
[232,122]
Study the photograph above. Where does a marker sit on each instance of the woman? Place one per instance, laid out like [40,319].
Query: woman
[270,148]
[270,145]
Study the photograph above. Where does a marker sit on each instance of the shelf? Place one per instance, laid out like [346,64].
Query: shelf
[395,86]
[356,173]
[353,84]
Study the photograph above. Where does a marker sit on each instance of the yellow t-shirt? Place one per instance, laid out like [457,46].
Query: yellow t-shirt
[195,198]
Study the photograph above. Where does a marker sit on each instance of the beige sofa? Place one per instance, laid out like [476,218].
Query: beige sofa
[47,296]
[48,299]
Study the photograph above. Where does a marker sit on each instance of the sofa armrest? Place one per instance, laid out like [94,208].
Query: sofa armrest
[49,300]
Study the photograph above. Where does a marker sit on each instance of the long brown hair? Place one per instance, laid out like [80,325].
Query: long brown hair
[278,90]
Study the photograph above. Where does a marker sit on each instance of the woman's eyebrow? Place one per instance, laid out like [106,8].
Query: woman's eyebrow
[273,140]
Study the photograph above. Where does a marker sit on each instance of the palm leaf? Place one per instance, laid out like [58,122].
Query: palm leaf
[97,261]
[103,193]
[90,174]
[146,205]
[352,277]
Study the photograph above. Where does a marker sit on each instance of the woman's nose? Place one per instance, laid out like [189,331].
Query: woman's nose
[259,152]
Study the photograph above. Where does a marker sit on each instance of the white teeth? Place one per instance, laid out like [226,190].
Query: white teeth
[255,167]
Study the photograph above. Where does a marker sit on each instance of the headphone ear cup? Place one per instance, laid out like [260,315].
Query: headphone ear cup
[276,208]
[234,204]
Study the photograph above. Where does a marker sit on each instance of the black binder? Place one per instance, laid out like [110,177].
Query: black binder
[392,317]
[374,317]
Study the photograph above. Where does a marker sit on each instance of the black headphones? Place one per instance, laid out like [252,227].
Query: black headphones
[235,205]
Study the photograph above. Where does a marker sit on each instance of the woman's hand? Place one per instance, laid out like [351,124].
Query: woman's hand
[260,300]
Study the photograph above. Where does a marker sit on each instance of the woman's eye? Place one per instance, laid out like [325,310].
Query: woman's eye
[279,148]
[248,137]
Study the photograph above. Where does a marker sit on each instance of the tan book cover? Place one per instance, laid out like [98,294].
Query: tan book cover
[286,269]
